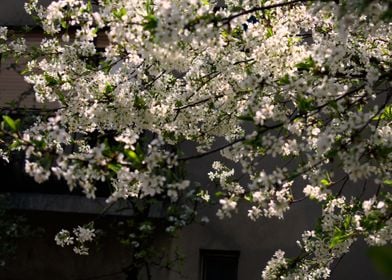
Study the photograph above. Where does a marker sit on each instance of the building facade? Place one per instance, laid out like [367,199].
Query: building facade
[230,249]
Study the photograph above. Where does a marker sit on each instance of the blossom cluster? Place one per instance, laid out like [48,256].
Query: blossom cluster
[340,226]
[303,84]
[77,238]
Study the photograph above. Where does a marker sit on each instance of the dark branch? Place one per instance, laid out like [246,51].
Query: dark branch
[213,150]
[263,8]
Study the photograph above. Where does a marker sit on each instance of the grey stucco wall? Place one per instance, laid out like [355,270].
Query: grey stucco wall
[12,12]
[257,241]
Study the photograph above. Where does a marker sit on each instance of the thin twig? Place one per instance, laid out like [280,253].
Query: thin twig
[262,8]
[213,150]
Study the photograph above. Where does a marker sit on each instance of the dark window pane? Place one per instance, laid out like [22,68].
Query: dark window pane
[219,265]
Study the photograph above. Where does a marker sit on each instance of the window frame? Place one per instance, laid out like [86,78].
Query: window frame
[204,253]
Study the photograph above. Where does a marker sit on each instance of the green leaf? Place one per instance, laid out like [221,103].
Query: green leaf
[108,88]
[270,32]
[386,114]
[248,197]
[10,123]
[225,34]
[219,194]
[338,238]
[383,151]
[139,103]
[25,71]
[306,65]
[325,182]
[373,221]
[388,182]
[119,13]
[61,97]
[64,24]
[304,104]
[261,151]
[18,124]
[89,6]
[150,7]
[347,222]
[132,156]
[105,66]
[285,80]
[15,145]
[114,167]
[334,105]
[150,22]
[51,81]
[237,32]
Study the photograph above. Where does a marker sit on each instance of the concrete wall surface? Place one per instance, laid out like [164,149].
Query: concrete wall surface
[257,241]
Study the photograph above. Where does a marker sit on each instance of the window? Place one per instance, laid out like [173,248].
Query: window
[218,264]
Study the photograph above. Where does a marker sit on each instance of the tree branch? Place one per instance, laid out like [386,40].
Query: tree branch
[213,150]
[263,8]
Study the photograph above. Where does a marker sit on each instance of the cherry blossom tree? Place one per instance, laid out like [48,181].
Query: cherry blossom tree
[305,82]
